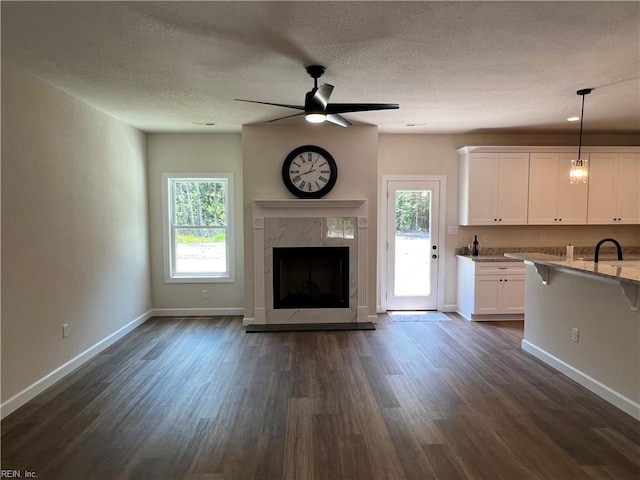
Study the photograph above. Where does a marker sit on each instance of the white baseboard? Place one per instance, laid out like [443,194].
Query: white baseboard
[615,398]
[15,402]
[248,321]
[196,312]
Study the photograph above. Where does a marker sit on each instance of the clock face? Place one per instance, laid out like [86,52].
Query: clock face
[309,172]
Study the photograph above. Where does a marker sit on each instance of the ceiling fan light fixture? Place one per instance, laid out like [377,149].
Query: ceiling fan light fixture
[579,172]
[315,117]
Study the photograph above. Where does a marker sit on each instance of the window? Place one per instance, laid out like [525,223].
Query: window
[198,227]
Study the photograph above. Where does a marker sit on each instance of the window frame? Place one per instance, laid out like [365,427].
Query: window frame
[169,228]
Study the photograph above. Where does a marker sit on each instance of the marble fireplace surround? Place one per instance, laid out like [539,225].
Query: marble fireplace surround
[302,223]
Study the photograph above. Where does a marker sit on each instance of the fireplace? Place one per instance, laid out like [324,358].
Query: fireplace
[311,277]
[333,227]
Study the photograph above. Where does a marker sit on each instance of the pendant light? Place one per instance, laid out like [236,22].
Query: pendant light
[579,172]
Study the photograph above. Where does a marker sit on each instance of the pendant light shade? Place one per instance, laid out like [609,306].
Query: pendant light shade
[579,172]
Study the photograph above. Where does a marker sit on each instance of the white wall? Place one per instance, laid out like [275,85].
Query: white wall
[436,155]
[265,148]
[191,153]
[74,229]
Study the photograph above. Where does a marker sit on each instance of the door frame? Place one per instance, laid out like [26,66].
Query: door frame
[383,228]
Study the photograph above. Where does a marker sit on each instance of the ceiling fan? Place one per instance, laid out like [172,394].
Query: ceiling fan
[317,108]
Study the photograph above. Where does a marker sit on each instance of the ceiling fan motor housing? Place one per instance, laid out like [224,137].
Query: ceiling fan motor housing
[315,71]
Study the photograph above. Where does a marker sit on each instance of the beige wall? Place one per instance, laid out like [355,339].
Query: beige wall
[608,349]
[74,228]
[193,153]
[436,155]
[265,148]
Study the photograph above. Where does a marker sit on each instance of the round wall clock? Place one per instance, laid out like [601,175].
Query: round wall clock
[309,172]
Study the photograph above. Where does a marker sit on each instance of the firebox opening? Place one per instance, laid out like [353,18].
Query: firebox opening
[311,277]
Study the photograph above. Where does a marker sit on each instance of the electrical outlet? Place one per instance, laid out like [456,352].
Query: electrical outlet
[485,239]
[543,237]
[65,330]
[205,294]
[575,335]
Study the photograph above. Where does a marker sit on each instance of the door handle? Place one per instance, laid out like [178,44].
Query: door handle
[434,256]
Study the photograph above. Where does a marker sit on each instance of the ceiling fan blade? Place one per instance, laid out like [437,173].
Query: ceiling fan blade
[297,107]
[359,107]
[282,118]
[338,120]
[322,94]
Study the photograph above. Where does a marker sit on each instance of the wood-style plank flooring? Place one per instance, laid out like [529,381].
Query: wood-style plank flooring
[198,398]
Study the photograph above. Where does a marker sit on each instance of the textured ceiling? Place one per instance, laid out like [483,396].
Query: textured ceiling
[453,67]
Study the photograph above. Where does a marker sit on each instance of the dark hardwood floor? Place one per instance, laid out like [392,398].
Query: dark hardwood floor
[198,398]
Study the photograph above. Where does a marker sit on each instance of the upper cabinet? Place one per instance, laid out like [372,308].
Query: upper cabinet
[530,186]
[493,188]
[552,199]
[614,188]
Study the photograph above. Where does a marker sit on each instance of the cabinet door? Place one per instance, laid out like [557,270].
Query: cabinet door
[483,188]
[572,197]
[628,189]
[513,294]
[543,189]
[488,294]
[601,207]
[513,188]
[553,200]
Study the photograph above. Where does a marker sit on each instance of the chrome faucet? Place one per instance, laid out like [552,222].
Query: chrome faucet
[615,242]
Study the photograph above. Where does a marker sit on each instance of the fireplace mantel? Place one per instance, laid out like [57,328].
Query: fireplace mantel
[307,211]
[294,207]
[306,203]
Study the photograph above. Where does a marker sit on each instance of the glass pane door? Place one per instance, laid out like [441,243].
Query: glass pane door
[412,245]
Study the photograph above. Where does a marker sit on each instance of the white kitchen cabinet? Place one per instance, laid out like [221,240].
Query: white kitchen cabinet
[553,200]
[490,290]
[494,188]
[614,188]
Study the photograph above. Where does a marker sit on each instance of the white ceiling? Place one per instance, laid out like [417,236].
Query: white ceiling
[453,67]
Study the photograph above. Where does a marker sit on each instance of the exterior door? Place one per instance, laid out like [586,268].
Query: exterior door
[412,244]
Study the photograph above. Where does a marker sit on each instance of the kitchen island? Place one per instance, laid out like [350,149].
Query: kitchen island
[582,319]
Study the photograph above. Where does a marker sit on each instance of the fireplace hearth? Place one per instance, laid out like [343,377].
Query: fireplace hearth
[311,277]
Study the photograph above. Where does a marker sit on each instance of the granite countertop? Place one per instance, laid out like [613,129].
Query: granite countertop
[629,270]
[488,258]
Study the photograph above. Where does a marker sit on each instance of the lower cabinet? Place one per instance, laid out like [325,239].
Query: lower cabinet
[490,290]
